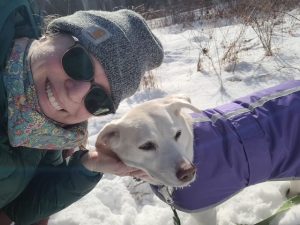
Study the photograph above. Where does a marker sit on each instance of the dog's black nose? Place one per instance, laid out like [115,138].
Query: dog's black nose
[186,172]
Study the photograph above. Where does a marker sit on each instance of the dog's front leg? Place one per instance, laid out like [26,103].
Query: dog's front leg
[294,188]
[206,217]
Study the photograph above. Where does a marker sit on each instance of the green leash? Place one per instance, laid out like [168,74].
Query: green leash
[166,192]
[288,204]
[176,218]
[284,208]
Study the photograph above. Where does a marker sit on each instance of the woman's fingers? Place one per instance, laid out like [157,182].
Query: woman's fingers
[109,162]
[138,173]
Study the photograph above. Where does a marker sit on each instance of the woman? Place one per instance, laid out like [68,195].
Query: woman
[84,66]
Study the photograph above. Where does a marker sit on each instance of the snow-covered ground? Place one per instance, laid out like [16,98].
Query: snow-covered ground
[123,201]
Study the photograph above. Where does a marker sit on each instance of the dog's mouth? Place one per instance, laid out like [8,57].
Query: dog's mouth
[182,176]
[179,179]
[170,181]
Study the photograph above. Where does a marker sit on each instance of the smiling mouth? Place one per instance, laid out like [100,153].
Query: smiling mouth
[51,97]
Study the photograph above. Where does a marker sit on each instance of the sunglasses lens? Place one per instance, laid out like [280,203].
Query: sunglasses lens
[77,64]
[98,103]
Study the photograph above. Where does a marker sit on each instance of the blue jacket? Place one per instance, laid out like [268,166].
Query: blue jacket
[250,140]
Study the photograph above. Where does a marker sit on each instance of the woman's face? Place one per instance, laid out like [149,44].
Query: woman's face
[60,97]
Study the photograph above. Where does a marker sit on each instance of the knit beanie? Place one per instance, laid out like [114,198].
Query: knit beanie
[121,41]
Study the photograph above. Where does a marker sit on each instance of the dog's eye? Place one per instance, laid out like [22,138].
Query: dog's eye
[148,146]
[177,135]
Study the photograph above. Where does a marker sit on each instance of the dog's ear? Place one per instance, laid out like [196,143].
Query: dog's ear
[175,104]
[179,97]
[109,135]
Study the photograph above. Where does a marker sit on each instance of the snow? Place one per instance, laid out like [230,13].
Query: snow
[123,201]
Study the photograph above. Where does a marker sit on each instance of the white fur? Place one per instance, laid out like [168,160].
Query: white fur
[155,122]
[158,121]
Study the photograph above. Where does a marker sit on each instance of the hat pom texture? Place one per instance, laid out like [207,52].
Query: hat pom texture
[121,41]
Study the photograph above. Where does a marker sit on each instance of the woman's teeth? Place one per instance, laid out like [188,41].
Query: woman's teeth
[51,97]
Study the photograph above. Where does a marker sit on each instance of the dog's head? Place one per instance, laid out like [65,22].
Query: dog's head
[156,137]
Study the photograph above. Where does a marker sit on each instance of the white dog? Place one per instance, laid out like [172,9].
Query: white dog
[157,137]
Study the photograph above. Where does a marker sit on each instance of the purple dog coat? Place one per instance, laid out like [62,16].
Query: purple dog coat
[250,140]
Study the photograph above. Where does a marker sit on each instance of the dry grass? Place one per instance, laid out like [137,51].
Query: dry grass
[260,15]
[149,81]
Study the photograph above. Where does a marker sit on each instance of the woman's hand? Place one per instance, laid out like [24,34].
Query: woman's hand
[104,160]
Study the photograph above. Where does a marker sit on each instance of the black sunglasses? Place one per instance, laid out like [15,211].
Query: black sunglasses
[78,65]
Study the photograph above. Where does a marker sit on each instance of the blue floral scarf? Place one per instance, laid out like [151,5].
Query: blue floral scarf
[27,126]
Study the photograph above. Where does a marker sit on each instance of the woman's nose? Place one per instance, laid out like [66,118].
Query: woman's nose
[76,90]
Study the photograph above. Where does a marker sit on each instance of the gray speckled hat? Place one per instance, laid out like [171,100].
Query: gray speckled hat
[120,40]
